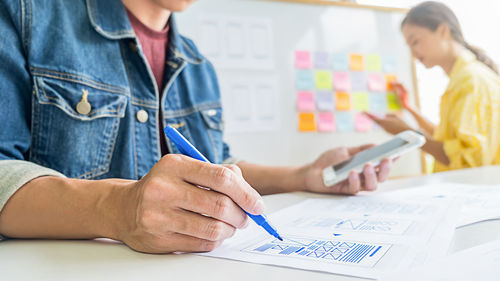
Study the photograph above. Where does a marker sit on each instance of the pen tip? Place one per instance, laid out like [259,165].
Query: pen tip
[279,238]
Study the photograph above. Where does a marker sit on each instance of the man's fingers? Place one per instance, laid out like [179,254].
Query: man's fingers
[384,169]
[186,243]
[213,204]
[218,178]
[370,177]
[196,225]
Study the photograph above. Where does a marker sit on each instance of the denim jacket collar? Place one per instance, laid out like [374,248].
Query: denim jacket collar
[109,19]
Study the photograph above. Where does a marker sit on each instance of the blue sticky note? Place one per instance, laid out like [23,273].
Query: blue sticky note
[389,64]
[340,61]
[304,80]
[321,60]
[359,81]
[325,101]
[378,102]
[345,121]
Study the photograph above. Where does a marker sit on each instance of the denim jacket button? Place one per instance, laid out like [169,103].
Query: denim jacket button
[142,116]
[83,107]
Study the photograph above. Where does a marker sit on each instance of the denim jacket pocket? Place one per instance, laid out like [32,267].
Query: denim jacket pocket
[214,124]
[77,141]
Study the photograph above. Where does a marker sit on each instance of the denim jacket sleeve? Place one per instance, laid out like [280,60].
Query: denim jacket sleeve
[15,102]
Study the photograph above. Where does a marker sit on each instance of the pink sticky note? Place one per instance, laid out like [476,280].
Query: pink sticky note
[362,123]
[326,122]
[305,101]
[303,60]
[376,82]
[341,81]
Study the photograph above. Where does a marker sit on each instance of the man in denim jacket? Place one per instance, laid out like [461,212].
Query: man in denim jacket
[80,143]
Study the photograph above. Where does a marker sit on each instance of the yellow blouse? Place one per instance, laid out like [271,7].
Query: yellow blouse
[470,115]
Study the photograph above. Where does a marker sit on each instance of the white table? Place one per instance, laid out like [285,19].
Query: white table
[104,260]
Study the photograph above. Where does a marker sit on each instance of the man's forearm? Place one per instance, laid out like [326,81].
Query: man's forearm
[61,208]
[271,180]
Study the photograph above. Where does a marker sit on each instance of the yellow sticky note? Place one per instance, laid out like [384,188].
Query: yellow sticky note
[360,101]
[323,79]
[356,62]
[373,63]
[392,102]
[343,101]
[307,122]
[390,78]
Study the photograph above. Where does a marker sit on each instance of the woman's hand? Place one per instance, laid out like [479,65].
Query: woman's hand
[391,123]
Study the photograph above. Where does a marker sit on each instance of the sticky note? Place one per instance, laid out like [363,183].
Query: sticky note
[376,82]
[305,101]
[356,62]
[345,122]
[392,102]
[304,80]
[362,123]
[303,60]
[341,81]
[359,81]
[323,80]
[360,101]
[389,64]
[343,101]
[325,101]
[321,60]
[326,122]
[389,78]
[340,61]
[373,63]
[377,103]
[307,122]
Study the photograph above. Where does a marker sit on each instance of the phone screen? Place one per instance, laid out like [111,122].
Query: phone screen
[370,154]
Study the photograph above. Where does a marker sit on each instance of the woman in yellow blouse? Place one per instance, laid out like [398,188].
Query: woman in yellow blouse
[468,134]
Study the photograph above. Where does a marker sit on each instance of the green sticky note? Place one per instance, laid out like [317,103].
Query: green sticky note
[373,62]
[323,79]
[392,102]
[360,101]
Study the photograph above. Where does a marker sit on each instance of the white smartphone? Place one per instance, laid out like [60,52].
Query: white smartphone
[400,144]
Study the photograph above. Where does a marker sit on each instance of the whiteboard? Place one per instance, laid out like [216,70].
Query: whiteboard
[292,26]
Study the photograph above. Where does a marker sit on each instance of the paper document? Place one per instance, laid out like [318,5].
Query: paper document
[477,263]
[478,202]
[358,236]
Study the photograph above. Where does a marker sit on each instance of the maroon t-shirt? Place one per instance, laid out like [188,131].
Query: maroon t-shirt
[154,45]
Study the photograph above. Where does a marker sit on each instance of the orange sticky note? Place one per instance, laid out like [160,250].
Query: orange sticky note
[356,62]
[343,101]
[307,122]
[390,78]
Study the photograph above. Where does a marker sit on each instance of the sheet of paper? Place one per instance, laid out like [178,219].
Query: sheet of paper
[477,263]
[477,202]
[307,122]
[305,101]
[303,60]
[340,61]
[359,81]
[322,60]
[343,101]
[376,82]
[392,102]
[325,100]
[326,122]
[362,123]
[356,62]
[345,122]
[360,101]
[373,63]
[341,81]
[358,236]
[304,80]
[378,103]
[323,79]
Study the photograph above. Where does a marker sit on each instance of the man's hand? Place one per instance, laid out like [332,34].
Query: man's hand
[167,211]
[366,181]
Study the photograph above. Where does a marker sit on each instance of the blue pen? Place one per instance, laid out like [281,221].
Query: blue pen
[186,148]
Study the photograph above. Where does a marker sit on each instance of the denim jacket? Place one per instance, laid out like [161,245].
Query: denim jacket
[77,95]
